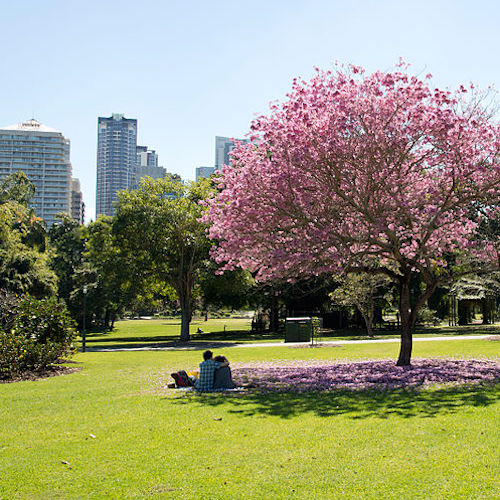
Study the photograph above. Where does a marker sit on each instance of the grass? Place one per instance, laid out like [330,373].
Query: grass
[130,333]
[135,333]
[150,443]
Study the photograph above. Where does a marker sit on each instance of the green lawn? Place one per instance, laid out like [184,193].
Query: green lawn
[129,333]
[133,333]
[150,443]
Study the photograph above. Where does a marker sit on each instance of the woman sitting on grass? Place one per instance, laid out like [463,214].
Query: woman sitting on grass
[223,377]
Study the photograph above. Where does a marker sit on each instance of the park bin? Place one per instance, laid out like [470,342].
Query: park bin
[298,329]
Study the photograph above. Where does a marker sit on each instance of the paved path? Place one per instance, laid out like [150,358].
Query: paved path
[215,345]
[368,341]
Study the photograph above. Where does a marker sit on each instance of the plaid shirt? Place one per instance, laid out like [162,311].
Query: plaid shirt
[206,379]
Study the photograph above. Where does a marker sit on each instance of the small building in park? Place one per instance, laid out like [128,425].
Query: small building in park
[471,297]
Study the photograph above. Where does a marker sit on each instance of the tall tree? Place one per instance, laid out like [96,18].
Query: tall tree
[67,239]
[107,274]
[159,224]
[23,236]
[354,167]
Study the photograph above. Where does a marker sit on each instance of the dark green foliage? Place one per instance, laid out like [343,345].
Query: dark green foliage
[427,316]
[35,334]
[25,270]
[67,238]
[89,257]
[23,241]
[230,289]
[107,273]
[8,308]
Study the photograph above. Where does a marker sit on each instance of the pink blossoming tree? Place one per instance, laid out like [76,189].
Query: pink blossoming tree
[378,173]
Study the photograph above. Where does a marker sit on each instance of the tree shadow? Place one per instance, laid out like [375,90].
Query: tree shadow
[174,345]
[355,405]
[198,340]
[131,340]
[239,336]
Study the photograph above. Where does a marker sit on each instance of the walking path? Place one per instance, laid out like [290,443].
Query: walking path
[368,341]
[214,345]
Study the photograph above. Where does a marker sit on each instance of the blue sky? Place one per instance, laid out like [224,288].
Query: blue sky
[191,70]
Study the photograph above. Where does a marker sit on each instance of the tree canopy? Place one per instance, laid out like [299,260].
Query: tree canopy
[353,172]
[159,223]
[23,236]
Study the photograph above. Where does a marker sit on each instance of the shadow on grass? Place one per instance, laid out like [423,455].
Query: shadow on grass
[141,339]
[239,336]
[351,404]
[178,346]
[198,340]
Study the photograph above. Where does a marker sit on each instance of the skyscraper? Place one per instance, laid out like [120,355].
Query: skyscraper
[204,172]
[147,166]
[146,157]
[116,159]
[77,205]
[42,153]
[223,146]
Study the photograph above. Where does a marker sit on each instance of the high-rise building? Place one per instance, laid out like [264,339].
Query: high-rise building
[223,146]
[204,172]
[146,157]
[77,205]
[43,154]
[116,159]
[147,166]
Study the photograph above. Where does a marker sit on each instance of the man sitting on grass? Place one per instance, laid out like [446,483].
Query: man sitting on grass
[208,368]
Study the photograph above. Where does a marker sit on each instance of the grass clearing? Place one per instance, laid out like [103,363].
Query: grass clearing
[155,332]
[151,443]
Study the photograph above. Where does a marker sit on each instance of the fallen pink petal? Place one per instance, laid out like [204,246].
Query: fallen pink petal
[314,376]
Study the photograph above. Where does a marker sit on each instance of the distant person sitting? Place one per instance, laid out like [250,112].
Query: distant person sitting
[223,376]
[208,367]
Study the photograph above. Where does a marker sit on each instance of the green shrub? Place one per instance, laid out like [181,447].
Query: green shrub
[8,307]
[426,316]
[11,354]
[41,332]
[43,321]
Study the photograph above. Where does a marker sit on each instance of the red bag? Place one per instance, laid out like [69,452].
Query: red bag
[181,379]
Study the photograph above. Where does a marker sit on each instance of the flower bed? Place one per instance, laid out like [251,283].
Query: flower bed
[307,376]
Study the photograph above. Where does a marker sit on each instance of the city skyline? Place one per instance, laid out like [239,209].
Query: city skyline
[215,66]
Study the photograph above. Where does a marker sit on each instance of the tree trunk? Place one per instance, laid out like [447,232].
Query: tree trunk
[368,318]
[185,337]
[184,293]
[404,358]
[274,316]
[106,318]
[369,330]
